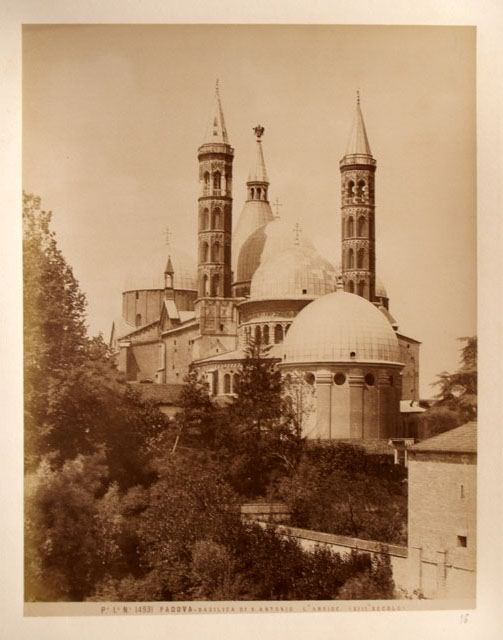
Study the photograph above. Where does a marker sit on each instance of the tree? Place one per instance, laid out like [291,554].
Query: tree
[55,337]
[61,540]
[269,434]
[376,583]
[190,503]
[341,489]
[456,401]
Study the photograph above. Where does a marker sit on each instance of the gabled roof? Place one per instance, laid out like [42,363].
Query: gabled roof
[136,330]
[408,338]
[460,440]
[120,328]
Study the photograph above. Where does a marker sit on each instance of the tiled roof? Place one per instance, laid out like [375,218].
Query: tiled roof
[239,354]
[162,393]
[462,439]
[122,327]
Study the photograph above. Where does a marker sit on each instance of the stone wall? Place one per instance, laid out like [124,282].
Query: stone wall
[442,519]
[413,572]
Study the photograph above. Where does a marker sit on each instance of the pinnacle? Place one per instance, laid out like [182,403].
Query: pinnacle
[258,172]
[358,141]
[216,130]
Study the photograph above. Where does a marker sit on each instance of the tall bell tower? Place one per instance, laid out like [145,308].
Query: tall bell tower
[215,155]
[358,212]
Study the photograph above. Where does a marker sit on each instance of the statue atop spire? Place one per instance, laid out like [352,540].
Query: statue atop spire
[259,131]
[216,131]
[258,173]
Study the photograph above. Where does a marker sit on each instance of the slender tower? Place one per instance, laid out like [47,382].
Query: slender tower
[257,210]
[358,212]
[215,225]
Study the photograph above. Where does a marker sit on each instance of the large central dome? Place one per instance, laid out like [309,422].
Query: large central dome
[340,327]
[296,272]
[268,240]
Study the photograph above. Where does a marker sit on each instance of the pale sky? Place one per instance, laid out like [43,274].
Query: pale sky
[113,117]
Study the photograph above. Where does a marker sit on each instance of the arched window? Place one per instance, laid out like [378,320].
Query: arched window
[351,286]
[205,252]
[351,230]
[258,334]
[259,193]
[215,252]
[362,287]
[278,334]
[361,189]
[217,181]
[214,386]
[205,288]
[227,383]
[206,178]
[362,227]
[351,259]
[351,189]
[360,258]
[217,219]
[138,320]
[215,285]
[252,191]
[205,220]
[235,383]
[265,334]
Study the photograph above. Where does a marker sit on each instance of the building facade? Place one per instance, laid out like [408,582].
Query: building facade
[267,281]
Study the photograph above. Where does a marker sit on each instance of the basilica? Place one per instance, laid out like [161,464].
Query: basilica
[345,365]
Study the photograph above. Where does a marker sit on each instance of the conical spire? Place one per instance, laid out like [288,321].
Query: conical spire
[258,172]
[216,131]
[169,267]
[358,141]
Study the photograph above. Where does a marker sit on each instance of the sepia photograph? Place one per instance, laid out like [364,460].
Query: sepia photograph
[250,276]
[250,317]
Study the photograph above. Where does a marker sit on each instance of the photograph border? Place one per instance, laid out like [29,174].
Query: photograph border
[487,615]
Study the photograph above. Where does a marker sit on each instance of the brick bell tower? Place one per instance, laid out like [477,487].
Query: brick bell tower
[214,306]
[358,212]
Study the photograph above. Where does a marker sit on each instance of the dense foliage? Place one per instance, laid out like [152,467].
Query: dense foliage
[122,503]
[456,401]
[339,488]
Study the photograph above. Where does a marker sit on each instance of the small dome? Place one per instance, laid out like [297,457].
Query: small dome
[268,240]
[296,272]
[340,327]
[380,289]
[254,215]
[149,273]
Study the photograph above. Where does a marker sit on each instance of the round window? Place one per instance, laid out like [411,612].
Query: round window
[339,378]
[310,378]
[369,380]
[352,354]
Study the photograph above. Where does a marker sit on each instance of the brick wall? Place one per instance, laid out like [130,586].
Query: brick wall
[442,517]
[409,355]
